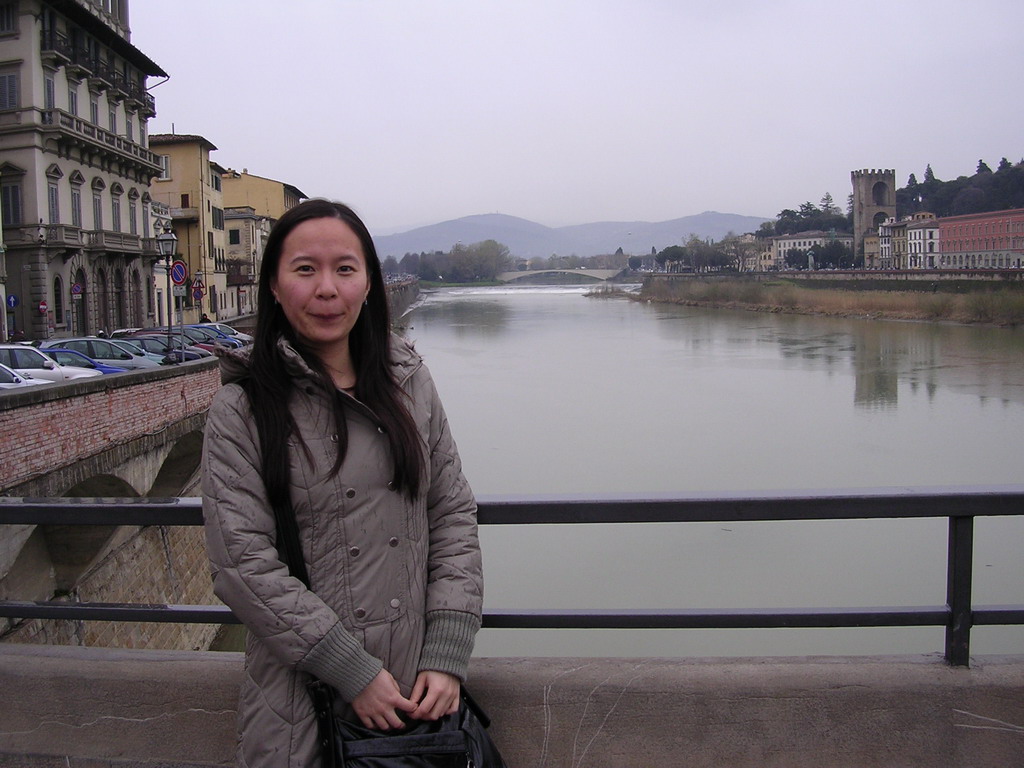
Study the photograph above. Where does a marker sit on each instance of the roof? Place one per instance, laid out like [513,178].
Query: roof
[293,189]
[96,26]
[161,139]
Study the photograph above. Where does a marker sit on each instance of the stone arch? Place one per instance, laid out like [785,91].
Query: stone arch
[180,465]
[880,193]
[879,219]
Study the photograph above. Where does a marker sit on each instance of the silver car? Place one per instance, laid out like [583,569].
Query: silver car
[29,361]
[12,380]
[104,351]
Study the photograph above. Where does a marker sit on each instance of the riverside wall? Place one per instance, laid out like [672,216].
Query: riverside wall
[89,707]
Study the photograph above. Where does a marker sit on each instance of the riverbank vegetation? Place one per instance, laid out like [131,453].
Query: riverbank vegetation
[1003,305]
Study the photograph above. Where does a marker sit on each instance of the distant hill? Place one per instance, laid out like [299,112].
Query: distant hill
[527,239]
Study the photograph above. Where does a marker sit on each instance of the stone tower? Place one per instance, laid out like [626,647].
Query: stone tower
[874,201]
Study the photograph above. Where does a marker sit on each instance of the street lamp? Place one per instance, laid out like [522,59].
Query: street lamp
[168,244]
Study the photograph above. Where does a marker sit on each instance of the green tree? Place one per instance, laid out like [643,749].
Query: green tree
[828,206]
[390,265]
[983,167]
[929,177]
[1004,165]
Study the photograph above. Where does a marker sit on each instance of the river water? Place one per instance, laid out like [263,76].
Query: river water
[551,391]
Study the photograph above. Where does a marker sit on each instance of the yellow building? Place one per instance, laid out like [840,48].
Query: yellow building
[266,197]
[190,184]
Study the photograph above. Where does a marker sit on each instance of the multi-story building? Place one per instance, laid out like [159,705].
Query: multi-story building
[993,240]
[266,197]
[247,236]
[808,242]
[922,241]
[190,185]
[75,168]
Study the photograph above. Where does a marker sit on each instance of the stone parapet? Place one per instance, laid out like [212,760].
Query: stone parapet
[92,707]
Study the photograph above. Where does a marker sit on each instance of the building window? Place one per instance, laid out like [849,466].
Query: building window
[94,110]
[9,90]
[129,129]
[49,99]
[218,218]
[76,205]
[113,120]
[73,100]
[145,219]
[133,217]
[234,237]
[184,201]
[97,211]
[10,203]
[115,211]
[53,201]
[165,167]
[8,17]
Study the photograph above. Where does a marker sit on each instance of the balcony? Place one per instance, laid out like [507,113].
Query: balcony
[69,130]
[122,242]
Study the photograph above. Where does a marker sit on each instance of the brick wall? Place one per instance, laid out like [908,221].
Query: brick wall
[63,424]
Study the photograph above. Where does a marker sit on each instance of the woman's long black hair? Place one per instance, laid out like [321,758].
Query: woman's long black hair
[269,384]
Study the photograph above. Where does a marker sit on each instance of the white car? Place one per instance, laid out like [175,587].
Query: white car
[29,361]
[12,380]
[227,330]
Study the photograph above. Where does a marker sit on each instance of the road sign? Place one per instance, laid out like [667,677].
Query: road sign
[12,300]
[197,293]
[178,290]
[179,272]
[42,307]
[76,289]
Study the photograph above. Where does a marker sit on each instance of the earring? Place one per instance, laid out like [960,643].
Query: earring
[366,302]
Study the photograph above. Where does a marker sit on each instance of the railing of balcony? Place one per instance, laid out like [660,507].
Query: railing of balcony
[959,505]
[83,129]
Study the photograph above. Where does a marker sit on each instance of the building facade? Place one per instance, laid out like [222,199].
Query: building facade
[75,168]
[922,241]
[807,242]
[874,201]
[266,197]
[992,240]
[247,234]
[190,185]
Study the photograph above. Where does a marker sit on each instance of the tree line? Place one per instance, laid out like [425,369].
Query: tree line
[477,263]
[986,190]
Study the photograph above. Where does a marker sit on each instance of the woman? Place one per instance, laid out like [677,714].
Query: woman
[332,416]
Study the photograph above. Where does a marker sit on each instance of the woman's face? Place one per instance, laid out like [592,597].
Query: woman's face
[321,283]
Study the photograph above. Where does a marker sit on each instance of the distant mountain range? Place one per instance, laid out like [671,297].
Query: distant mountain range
[527,239]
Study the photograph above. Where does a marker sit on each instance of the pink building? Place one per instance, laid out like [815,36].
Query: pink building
[993,240]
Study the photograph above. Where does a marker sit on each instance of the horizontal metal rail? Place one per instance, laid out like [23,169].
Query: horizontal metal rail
[959,505]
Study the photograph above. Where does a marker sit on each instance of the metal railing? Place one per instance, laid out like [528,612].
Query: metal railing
[959,505]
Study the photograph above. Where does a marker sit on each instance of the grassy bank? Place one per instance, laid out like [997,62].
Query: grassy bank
[982,304]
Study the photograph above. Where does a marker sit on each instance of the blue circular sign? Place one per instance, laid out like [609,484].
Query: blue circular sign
[179,272]
[12,300]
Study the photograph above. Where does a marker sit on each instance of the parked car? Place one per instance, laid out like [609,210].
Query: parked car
[10,379]
[138,351]
[198,337]
[227,330]
[104,350]
[217,337]
[29,361]
[73,357]
[170,347]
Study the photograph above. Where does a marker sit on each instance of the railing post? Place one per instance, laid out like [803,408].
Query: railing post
[958,590]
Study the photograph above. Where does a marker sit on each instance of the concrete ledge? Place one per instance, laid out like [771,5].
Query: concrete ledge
[90,707]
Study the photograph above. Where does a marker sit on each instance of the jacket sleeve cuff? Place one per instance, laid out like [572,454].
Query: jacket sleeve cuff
[341,661]
[449,642]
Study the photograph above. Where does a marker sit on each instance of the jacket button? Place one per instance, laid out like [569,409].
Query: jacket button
[359,613]
[393,541]
[381,430]
[350,493]
[392,486]
[354,551]
[334,438]
[395,603]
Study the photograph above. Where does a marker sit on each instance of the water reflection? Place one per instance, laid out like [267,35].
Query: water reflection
[551,392]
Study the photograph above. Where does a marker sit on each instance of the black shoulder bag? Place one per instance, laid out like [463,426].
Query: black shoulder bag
[459,740]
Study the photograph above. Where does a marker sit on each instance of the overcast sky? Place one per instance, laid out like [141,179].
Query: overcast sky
[573,111]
